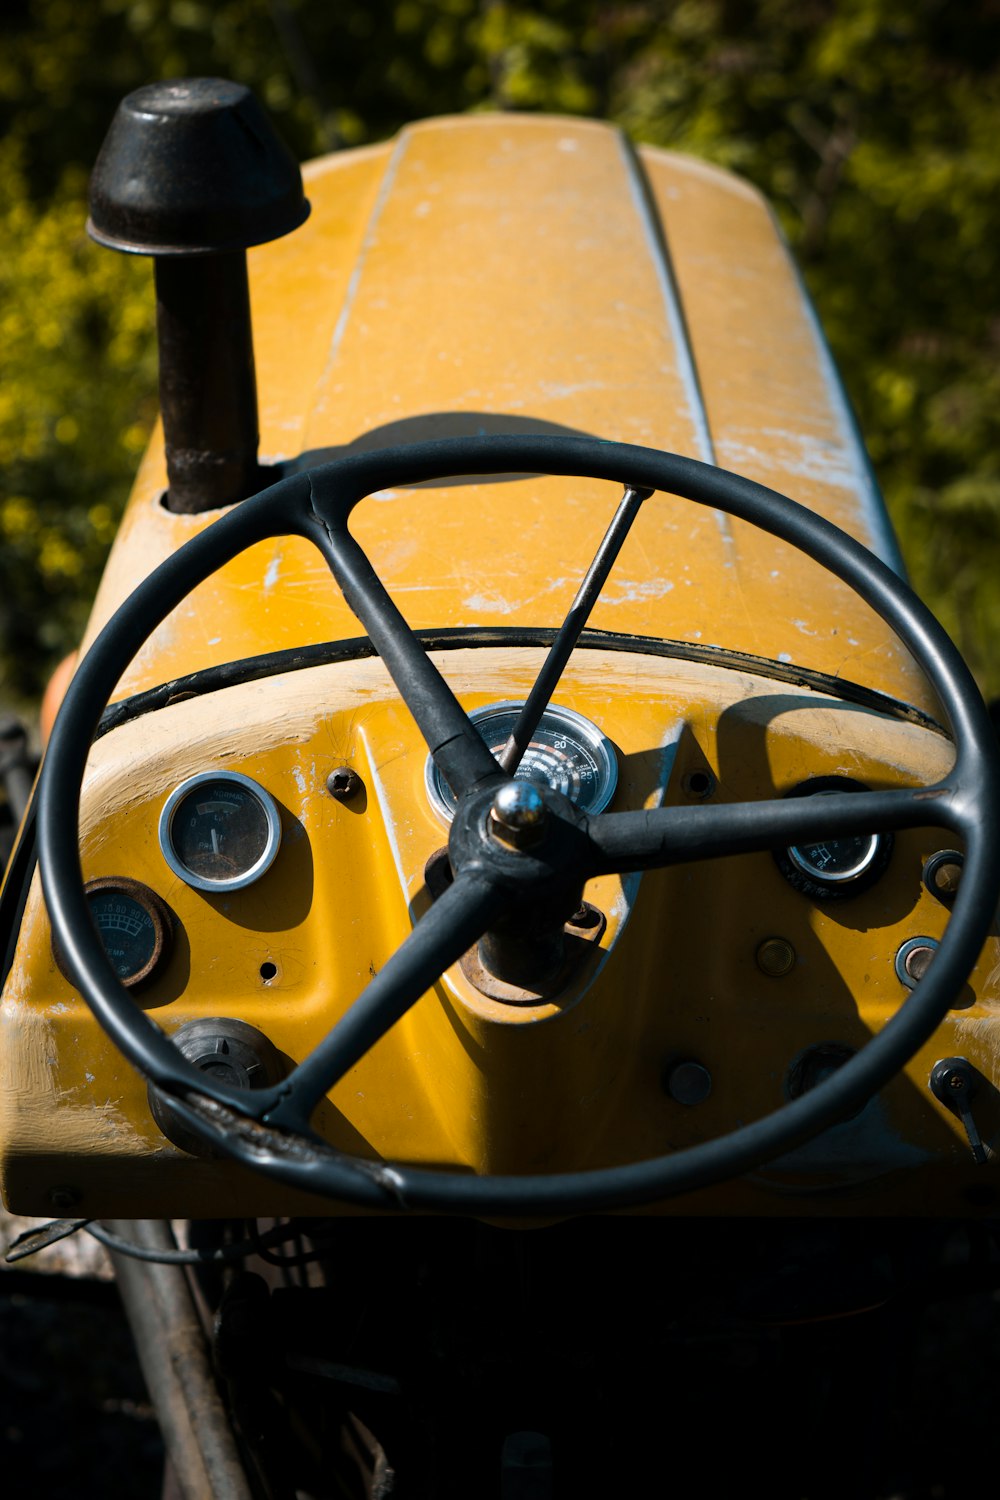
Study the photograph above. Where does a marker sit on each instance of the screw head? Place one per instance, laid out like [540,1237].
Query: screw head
[917,962]
[518,814]
[947,877]
[343,783]
[943,875]
[688,1082]
[775,957]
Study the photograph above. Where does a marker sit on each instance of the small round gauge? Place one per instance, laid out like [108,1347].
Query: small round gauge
[836,860]
[136,928]
[219,831]
[567,753]
[839,866]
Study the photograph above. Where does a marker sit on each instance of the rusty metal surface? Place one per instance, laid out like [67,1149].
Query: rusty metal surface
[174,1359]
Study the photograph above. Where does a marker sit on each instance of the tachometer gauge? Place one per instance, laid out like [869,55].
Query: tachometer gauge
[567,753]
[834,867]
[219,831]
[136,928]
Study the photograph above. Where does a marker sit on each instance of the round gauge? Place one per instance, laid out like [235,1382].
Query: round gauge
[838,866]
[219,831]
[135,927]
[836,860]
[567,753]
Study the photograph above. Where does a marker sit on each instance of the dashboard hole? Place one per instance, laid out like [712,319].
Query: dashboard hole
[699,783]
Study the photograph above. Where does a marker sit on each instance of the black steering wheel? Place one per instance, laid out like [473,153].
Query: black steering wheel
[495,880]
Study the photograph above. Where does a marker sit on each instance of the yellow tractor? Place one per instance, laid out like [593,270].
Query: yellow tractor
[514,869]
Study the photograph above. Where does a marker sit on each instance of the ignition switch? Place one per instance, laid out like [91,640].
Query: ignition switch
[232,1053]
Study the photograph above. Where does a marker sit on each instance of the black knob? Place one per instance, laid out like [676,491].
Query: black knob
[232,1053]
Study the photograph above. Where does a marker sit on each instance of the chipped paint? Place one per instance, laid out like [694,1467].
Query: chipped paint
[495,604]
[630,591]
[388,820]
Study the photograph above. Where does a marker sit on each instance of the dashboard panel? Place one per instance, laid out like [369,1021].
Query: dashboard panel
[713,991]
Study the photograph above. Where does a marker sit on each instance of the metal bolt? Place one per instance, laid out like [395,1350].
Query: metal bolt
[689,1082]
[917,962]
[957,1082]
[946,878]
[943,875]
[518,814]
[775,957]
[344,783]
[913,959]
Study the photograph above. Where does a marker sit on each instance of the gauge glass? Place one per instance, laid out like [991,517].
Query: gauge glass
[126,930]
[134,925]
[219,831]
[567,753]
[837,863]
[836,859]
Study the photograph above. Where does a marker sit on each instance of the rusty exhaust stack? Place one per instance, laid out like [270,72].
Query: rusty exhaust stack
[192,173]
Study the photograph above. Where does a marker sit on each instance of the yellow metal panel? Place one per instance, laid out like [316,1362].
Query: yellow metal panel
[464,1080]
[776,413]
[499,273]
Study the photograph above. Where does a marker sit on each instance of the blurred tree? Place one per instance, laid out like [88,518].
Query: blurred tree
[870,124]
[77,376]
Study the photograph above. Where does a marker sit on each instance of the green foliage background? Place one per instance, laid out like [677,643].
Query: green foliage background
[873,125]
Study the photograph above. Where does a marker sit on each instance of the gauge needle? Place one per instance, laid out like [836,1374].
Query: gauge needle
[215,842]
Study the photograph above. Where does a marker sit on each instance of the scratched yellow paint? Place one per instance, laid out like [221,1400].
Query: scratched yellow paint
[464,1080]
[503,273]
[498,273]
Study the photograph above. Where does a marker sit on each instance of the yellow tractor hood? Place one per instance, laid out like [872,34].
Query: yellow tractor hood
[537,275]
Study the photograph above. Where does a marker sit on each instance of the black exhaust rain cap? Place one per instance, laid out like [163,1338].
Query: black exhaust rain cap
[193,166]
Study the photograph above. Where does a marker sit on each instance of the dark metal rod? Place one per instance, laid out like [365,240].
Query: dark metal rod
[569,631]
[174,1360]
[208,385]
[456,746]
[673,835]
[456,920]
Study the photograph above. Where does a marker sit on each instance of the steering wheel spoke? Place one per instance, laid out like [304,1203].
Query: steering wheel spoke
[677,835]
[459,916]
[457,748]
[561,649]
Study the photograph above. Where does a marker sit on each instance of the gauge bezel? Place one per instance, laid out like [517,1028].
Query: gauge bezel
[159,913]
[818,886]
[578,727]
[838,877]
[234,882]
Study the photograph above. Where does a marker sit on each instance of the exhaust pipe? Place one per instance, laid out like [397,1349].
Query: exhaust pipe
[192,173]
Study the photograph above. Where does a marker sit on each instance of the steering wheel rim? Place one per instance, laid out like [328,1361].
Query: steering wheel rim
[268,1129]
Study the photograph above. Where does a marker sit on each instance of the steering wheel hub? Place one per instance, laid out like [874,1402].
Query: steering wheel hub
[519,815]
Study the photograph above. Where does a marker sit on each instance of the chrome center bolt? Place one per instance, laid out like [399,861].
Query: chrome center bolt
[518,815]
